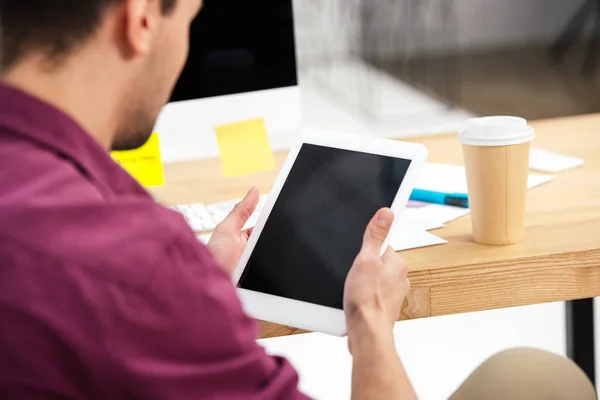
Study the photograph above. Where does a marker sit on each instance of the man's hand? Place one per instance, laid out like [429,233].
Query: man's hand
[228,240]
[376,285]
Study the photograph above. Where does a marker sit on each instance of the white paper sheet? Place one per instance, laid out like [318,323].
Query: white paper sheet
[409,237]
[433,216]
[550,162]
[536,180]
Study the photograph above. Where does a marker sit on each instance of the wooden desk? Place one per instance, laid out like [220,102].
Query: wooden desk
[558,260]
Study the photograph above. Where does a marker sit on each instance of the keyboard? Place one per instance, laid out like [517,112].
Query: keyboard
[203,218]
[197,216]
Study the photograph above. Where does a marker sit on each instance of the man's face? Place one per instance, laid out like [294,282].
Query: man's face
[152,87]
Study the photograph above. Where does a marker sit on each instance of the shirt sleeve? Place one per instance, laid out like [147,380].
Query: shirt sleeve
[184,336]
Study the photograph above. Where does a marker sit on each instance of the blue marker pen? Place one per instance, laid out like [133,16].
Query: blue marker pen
[449,199]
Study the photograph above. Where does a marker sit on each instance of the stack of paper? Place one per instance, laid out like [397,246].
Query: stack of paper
[416,221]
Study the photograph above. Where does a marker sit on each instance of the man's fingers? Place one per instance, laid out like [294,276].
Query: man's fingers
[240,214]
[378,230]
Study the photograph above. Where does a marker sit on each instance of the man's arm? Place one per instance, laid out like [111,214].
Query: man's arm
[375,290]
[184,335]
[377,372]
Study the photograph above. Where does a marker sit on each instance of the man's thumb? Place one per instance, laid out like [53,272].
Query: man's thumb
[240,214]
[378,229]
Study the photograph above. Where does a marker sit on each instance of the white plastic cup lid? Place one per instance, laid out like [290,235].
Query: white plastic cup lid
[496,131]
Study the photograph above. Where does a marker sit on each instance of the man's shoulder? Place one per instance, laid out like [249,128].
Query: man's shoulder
[51,207]
[31,173]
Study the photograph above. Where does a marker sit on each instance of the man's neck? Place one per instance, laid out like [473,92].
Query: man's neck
[78,92]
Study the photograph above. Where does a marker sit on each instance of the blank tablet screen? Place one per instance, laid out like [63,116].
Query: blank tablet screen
[315,229]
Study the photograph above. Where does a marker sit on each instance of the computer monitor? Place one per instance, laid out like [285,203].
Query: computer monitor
[242,65]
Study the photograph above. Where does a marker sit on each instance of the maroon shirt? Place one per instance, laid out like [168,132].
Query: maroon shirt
[105,294]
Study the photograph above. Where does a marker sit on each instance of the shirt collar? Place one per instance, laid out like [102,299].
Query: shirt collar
[39,122]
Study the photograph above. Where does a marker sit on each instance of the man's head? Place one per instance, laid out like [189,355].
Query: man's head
[144,44]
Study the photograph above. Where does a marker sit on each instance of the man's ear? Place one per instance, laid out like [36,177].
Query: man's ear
[141,20]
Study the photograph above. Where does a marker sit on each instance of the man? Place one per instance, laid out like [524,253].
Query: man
[104,294]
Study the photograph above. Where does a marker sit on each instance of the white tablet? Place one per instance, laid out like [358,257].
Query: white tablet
[293,269]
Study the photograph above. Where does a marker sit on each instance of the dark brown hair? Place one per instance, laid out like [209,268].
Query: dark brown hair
[55,27]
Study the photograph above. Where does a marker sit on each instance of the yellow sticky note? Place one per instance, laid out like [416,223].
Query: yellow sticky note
[144,163]
[245,148]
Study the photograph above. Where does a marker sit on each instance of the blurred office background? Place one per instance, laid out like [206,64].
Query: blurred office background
[479,56]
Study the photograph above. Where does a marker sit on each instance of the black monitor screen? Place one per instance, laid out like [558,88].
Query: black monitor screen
[315,229]
[239,46]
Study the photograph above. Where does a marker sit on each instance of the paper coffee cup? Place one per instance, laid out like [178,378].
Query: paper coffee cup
[496,154]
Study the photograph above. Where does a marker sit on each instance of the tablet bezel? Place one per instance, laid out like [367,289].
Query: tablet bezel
[302,314]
